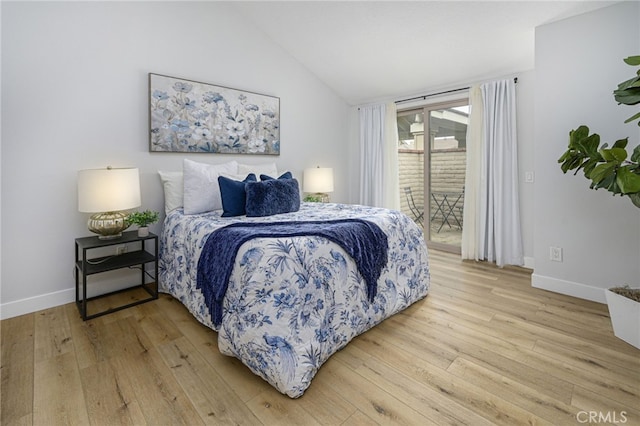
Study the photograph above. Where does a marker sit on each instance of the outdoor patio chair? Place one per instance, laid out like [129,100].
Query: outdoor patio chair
[417,214]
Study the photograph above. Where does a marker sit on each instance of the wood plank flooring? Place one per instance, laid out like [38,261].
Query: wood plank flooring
[483,348]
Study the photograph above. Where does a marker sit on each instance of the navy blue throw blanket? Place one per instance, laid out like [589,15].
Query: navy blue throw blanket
[364,241]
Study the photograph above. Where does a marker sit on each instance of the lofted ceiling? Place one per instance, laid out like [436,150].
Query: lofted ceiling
[372,50]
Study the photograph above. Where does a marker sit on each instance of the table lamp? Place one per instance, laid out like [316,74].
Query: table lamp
[107,193]
[319,181]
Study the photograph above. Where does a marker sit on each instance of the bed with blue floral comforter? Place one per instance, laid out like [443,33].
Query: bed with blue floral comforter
[292,302]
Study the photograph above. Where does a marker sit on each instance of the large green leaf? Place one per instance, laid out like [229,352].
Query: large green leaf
[635,117]
[627,98]
[628,92]
[627,84]
[635,156]
[573,163]
[613,186]
[565,166]
[609,183]
[589,166]
[564,156]
[602,171]
[632,60]
[614,154]
[589,145]
[621,143]
[635,199]
[577,135]
[628,181]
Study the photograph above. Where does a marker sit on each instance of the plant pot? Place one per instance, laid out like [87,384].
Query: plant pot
[625,318]
[143,231]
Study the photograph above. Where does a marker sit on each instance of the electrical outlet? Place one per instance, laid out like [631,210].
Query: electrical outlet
[121,250]
[529,177]
[555,254]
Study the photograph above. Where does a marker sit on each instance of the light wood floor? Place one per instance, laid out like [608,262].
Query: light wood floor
[483,348]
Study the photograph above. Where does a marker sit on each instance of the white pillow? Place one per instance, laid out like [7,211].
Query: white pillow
[236,176]
[268,169]
[201,190]
[172,183]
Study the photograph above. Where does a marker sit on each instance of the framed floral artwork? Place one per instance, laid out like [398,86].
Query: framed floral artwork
[189,116]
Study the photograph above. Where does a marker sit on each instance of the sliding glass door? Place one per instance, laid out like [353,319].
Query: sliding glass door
[445,172]
[432,155]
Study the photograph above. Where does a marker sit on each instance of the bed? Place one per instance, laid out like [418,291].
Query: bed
[293,301]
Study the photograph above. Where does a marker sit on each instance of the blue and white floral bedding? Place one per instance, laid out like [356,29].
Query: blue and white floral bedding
[293,302]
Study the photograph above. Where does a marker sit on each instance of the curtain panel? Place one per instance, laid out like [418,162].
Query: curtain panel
[379,156]
[474,180]
[494,232]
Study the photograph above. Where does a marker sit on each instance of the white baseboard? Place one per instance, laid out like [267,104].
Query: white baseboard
[582,291]
[108,282]
[57,298]
[36,303]
[529,263]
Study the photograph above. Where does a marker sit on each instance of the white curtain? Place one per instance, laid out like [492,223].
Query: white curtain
[379,156]
[473,178]
[391,185]
[493,179]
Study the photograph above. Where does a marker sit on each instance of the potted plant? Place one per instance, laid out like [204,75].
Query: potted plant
[613,169]
[624,310]
[313,198]
[143,220]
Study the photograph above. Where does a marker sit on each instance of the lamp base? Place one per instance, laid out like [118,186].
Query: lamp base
[110,237]
[108,225]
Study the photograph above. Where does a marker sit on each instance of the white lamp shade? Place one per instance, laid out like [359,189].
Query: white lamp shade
[108,190]
[318,180]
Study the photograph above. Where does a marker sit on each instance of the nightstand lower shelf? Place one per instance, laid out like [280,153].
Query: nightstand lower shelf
[117,300]
[113,301]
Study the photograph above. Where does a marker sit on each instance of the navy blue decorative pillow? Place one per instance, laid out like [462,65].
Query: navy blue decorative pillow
[233,195]
[274,196]
[285,175]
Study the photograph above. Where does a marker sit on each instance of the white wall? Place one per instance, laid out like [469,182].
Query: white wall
[578,64]
[0,163]
[74,96]
[525,96]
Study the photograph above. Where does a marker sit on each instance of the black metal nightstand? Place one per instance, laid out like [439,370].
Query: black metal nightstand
[139,257]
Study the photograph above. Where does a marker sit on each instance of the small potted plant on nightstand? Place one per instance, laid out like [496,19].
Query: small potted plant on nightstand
[143,220]
[313,198]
